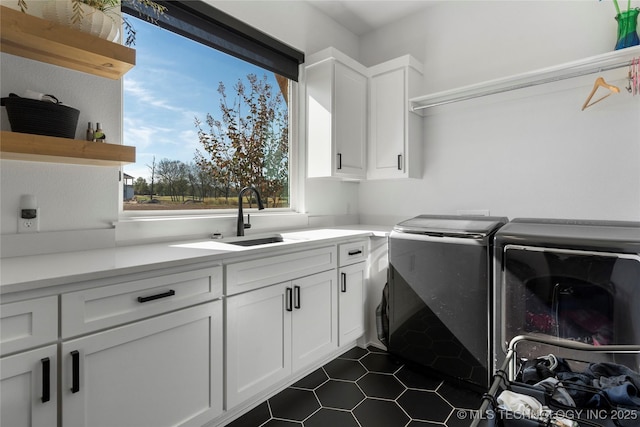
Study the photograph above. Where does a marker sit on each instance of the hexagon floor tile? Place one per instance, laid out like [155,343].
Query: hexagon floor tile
[365,388]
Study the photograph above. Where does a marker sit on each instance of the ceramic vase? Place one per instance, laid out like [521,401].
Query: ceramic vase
[93,21]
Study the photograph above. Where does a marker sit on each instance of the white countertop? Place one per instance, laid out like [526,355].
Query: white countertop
[39,271]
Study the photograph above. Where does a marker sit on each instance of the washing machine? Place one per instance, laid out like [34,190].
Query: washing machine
[570,280]
[440,275]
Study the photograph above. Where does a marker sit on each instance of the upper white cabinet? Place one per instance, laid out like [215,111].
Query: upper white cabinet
[336,115]
[395,135]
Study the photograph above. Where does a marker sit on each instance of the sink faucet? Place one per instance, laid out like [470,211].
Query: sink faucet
[241,225]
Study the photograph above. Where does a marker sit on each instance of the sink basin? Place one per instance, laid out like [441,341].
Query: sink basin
[258,241]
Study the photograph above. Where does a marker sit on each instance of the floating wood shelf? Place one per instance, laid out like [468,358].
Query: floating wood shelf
[39,148]
[45,41]
[595,64]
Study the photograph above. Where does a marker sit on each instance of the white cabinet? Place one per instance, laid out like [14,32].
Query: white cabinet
[28,376]
[276,330]
[258,342]
[395,135]
[336,116]
[351,295]
[107,306]
[27,324]
[351,302]
[164,371]
[143,352]
[314,326]
[28,386]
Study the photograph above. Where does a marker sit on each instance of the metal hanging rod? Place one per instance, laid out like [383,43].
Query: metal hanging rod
[605,62]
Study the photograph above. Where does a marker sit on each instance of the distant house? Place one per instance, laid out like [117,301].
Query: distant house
[127,189]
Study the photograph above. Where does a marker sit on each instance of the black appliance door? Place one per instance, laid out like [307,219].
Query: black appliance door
[585,296]
[439,304]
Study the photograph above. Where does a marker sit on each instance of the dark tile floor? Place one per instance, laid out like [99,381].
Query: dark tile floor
[365,388]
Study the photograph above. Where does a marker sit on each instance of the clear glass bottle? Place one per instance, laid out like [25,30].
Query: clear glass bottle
[89,132]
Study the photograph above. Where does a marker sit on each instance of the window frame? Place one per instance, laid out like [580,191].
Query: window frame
[246,37]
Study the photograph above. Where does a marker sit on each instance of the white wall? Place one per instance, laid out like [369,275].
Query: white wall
[527,154]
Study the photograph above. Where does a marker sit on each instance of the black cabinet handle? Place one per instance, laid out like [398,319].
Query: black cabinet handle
[75,371]
[339,161]
[355,252]
[344,282]
[46,379]
[169,293]
[399,162]
[288,297]
[296,296]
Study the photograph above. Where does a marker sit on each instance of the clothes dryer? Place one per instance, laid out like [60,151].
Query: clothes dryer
[569,280]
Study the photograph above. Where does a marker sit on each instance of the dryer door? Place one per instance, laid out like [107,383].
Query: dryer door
[589,297]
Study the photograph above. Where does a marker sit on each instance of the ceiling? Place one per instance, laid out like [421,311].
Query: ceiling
[362,16]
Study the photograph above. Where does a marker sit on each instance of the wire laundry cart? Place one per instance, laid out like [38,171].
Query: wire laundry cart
[572,398]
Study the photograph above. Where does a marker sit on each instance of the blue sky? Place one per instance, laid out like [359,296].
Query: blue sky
[174,81]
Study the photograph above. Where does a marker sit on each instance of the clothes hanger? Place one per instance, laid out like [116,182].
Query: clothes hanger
[599,83]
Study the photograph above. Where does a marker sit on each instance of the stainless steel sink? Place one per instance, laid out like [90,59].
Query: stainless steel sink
[258,241]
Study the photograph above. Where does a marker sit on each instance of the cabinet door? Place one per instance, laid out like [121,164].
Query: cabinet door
[350,121]
[28,389]
[258,341]
[165,371]
[351,302]
[389,108]
[336,116]
[314,324]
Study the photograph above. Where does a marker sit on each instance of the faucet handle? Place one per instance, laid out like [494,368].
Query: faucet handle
[248,224]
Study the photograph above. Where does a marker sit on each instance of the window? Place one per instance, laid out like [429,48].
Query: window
[206,123]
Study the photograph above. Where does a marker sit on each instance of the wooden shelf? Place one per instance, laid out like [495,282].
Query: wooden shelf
[39,148]
[595,64]
[45,41]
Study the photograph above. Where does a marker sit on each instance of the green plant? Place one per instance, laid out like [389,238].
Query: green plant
[151,8]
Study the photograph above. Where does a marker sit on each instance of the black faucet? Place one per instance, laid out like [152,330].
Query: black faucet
[241,225]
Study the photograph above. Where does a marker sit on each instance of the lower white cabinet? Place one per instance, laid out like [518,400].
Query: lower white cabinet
[351,298]
[164,371]
[277,330]
[28,386]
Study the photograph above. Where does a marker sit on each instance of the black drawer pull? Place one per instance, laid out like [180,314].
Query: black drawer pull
[157,296]
[339,161]
[75,371]
[46,379]
[296,296]
[399,162]
[344,282]
[355,252]
[288,299]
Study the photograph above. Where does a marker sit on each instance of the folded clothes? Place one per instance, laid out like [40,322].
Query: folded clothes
[557,391]
[532,408]
[520,403]
[608,370]
[600,385]
[624,394]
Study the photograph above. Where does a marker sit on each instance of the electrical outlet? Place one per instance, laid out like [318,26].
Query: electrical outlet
[29,221]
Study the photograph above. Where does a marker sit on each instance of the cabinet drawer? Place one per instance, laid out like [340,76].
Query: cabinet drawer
[27,324]
[99,308]
[353,252]
[248,275]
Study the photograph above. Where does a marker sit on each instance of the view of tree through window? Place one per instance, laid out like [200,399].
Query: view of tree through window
[204,125]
